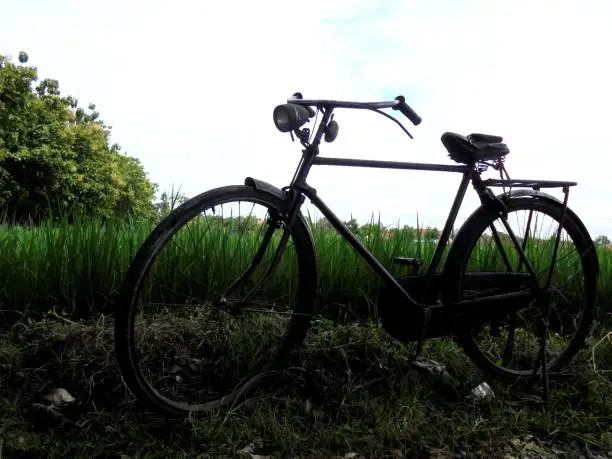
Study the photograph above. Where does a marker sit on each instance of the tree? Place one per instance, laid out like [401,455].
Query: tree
[602,240]
[432,234]
[372,228]
[55,157]
[409,232]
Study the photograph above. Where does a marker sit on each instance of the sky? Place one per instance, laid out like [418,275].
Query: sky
[189,88]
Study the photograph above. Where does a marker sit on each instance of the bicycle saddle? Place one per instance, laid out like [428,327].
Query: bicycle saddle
[474,147]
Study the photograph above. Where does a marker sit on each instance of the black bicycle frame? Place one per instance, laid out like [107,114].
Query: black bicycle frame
[298,188]
[354,242]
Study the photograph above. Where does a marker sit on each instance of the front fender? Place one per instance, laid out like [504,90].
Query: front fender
[272,190]
[266,187]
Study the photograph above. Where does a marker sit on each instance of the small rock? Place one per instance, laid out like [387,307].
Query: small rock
[59,397]
[483,392]
[249,450]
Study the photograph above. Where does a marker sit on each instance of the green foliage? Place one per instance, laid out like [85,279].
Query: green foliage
[432,233]
[167,203]
[79,268]
[352,225]
[602,240]
[55,157]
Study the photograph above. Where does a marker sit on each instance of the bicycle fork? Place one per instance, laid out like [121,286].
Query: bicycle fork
[274,221]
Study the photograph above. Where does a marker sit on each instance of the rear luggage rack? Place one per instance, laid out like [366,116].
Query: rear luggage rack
[535,184]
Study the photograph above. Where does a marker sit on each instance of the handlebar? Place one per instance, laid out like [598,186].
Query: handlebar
[407,111]
[399,103]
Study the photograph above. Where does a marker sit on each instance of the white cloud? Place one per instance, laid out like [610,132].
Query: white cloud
[189,88]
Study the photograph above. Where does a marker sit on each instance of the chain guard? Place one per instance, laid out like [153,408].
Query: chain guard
[403,321]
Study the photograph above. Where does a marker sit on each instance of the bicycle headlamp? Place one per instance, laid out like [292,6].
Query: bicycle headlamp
[288,117]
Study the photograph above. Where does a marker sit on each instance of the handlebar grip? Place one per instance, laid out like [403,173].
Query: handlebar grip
[407,111]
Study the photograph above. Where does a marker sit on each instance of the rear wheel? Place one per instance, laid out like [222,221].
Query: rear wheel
[507,346]
[184,343]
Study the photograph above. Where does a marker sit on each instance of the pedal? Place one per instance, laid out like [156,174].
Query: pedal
[426,319]
[416,263]
[407,261]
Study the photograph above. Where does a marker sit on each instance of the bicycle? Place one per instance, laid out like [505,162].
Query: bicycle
[412,308]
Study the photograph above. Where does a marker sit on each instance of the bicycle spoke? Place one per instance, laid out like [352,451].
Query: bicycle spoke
[543,329]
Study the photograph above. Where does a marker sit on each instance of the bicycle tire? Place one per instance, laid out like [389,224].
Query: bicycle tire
[125,313]
[459,256]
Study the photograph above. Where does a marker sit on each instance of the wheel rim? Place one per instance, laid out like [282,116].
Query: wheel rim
[510,344]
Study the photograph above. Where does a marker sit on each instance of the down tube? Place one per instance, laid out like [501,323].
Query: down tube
[357,245]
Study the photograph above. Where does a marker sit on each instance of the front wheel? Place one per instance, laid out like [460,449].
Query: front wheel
[187,338]
[506,345]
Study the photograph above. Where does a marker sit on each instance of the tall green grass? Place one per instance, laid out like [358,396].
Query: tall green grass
[78,268]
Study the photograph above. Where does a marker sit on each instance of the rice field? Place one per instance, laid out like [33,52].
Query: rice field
[77,269]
